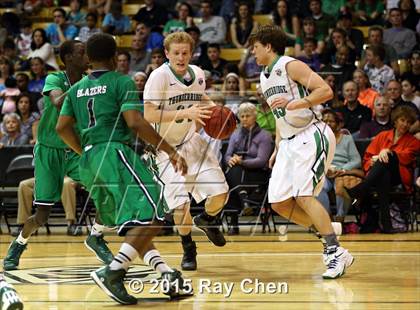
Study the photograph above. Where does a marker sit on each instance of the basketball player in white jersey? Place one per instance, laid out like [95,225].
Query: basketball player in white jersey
[176,104]
[304,145]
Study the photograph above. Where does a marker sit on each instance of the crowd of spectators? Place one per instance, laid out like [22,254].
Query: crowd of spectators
[372,72]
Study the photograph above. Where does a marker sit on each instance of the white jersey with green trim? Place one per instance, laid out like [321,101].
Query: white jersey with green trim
[277,83]
[170,92]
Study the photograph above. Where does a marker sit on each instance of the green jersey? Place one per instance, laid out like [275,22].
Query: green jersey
[46,128]
[97,102]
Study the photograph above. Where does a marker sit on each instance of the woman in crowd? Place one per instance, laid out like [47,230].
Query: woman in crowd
[283,18]
[233,89]
[389,160]
[345,169]
[6,71]
[12,135]
[242,26]
[29,118]
[38,72]
[140,79]
[246,158]
[40,47]
[367,94]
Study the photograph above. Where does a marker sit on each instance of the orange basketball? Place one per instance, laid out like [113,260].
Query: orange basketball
[221,124]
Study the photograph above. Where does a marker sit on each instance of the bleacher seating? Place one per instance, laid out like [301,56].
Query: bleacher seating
[232,54]
[263,19]
[131,9]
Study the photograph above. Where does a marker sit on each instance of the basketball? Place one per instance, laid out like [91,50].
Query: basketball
[221,124]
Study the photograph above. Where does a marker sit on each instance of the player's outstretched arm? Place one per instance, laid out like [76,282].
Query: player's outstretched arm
[145,131]
[65,129]
[320,90]
[197,112]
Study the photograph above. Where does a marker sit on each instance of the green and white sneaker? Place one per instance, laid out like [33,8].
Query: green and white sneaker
[175,286]
[97,245]
[112,283]
[9,299]
[11,261]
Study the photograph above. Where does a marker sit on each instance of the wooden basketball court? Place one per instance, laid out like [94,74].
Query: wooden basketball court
[386,274]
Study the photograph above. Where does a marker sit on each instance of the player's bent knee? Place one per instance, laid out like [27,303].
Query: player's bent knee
[283,206]
[42,214]
[306,201]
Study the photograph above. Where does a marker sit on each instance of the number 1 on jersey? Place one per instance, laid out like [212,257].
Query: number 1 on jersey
[92,119]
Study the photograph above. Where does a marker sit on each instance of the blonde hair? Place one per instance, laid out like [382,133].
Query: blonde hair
[247,107]
[178,37]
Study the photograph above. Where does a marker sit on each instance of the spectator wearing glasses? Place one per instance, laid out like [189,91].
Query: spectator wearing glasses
[60,31]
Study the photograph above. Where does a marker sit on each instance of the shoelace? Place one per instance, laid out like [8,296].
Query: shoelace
[333,263]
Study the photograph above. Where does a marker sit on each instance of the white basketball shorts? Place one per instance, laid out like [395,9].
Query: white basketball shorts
[204,178]
[301,163]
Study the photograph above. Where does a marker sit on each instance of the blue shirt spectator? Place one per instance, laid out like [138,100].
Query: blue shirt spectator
[60,31]
[114,22]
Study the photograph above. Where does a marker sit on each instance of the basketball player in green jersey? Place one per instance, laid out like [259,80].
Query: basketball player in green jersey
[127,194]
[53,159]
[305,146]
[9,299]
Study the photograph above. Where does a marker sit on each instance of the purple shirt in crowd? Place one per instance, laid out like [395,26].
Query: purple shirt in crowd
[255,147]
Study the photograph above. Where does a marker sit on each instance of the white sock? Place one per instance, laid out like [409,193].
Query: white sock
[97,230]
[123,259]
[153,259]
[22,240]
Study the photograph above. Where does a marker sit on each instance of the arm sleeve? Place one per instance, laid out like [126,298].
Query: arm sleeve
[220,36]
[44,52]
[407,153]
[52,82]
[107,20]
[128,95]
[372,149]
[154,88]
[263,155]
[71,32]
[410,42]
[354,156]
[127,24]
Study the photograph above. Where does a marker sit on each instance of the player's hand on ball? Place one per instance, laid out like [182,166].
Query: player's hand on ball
[179,163]
[199,112]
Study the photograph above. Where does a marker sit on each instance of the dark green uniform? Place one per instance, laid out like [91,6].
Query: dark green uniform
[53,159]
[124,189]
